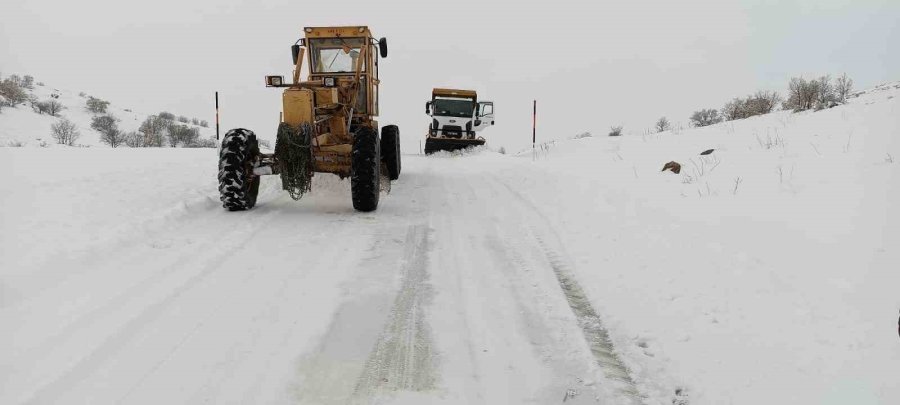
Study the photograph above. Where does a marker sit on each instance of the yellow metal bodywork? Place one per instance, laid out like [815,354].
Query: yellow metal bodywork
[328,109]
[454,93]
[298,106]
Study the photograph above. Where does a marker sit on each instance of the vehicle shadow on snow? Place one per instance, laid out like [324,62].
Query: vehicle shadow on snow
[330,195]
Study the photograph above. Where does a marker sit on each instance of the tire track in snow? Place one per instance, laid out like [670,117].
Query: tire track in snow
[403,357]
[123,334]
[595,334]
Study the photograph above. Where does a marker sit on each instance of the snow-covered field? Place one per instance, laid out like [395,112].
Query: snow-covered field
[482,278]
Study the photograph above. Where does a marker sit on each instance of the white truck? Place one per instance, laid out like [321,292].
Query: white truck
[456,118]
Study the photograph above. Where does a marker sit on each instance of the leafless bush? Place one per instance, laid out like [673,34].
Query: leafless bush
[154,129]
[843,86]
[12,92]
[734,110]
[763,102]
[96,105]
[28,82]
[15,144]
[65,132]
[53,107]
[167,116]
[182,135]
[801,94]
[662,124]
[825,95]
[889,158]
[108,127]
[705,117]
[204,124]
[134,139]
[182,119]
[615,131]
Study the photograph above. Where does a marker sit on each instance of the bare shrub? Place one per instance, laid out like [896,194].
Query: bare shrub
[705,117]
[802,94]
[167,116]
[843,86]
[12,92]
[734,110]
[54,107]
[153,130]
[662,125]
[65,132]
[763,102]
[825,95]
[182,119]
[204,123]
[615,131]
[96,105]
[134,139]
[108,127]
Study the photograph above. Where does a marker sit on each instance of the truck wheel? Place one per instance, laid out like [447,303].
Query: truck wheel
[365,179]
[390,150]
[238,186]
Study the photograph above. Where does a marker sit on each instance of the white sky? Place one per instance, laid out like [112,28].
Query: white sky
[590,64]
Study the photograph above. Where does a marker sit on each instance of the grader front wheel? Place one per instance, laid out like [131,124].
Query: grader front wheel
[365,176]
[238,186]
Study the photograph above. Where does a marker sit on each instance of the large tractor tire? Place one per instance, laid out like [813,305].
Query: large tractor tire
[365,178]
[390,150]
[238,186]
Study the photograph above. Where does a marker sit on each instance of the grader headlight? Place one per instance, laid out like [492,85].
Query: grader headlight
[274,81]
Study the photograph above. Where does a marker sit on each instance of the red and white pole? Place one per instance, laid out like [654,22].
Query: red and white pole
[533,129]
[217,115]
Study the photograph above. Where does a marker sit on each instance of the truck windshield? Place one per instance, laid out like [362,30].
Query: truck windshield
[453,108]
[335,55]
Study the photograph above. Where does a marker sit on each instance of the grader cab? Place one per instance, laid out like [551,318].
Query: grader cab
[327,124]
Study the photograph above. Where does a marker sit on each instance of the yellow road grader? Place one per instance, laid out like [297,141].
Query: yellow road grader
[327,124]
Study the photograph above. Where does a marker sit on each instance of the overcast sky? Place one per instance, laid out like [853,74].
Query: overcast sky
[590,64]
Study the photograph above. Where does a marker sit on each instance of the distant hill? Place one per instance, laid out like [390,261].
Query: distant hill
[24,126]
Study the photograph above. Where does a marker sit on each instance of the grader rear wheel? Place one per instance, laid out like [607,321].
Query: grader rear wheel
[390,150]
[365,176]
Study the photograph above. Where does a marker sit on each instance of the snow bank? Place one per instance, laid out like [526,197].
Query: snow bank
[764,272]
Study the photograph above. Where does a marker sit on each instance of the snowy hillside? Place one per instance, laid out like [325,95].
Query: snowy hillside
[22,125]
[765,272]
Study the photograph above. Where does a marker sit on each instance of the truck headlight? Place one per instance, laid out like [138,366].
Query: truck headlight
[329,82]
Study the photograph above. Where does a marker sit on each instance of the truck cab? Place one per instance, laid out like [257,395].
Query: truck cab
[458,113]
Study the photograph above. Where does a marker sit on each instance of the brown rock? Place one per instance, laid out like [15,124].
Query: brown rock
[674,166]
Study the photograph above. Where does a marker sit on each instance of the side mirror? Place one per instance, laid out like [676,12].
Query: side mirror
[382,47]
[295,52]
[427,107]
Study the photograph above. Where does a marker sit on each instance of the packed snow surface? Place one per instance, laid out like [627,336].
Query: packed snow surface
[765,272]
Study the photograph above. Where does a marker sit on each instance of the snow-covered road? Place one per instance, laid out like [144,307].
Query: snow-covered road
[763,273]
[451,292]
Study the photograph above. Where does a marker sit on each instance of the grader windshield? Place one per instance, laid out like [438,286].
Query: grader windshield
[335,55]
